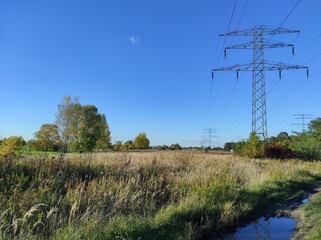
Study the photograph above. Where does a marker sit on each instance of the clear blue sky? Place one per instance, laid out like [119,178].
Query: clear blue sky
[147,65]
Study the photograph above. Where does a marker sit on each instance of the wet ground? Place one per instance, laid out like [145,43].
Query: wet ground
[271,228]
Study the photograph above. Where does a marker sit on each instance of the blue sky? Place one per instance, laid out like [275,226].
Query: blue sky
[147,65]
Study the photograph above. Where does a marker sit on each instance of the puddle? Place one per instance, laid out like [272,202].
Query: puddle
[305,200]
[272,228]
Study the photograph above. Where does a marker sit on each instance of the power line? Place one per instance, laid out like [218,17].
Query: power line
[293,90]
[219,59]
[234,87]
[290,12]
[310,60]
[228,28]
[308,44]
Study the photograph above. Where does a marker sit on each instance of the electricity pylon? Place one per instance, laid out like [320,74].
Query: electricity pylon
[208,134]
[258,66]
[303,117]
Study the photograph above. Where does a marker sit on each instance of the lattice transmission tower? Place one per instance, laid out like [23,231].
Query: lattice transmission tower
[208,135]
[303,117]
[258,66]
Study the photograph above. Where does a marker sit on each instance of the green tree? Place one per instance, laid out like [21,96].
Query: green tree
[81,128]
[229,146]
[128,145]
[67,120]
[253,147]
[47,138]
[315,126]
[90,129]
[141,141]
[308,143]
[104,140]
[175,146]
[118,145]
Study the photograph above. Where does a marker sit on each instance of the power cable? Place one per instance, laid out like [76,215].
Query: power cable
[293,90]
[301,50]
[219,59]
[286,18]
[234,87]
[290,13]
[310,60]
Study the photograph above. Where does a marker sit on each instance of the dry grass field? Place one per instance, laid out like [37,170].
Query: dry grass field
[142,195]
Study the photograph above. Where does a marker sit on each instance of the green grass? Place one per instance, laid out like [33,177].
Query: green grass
[150,195]
[311,219]
[193,218]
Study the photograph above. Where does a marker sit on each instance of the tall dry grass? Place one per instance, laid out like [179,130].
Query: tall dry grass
[135,194]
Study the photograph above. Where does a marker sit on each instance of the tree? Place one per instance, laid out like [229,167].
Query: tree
[47,137]
[175,146]
[81,128]
[283,135]
[128,145]
[104,140]
[89,130]
[162,147]
[253,147]
[32,144]
[67,120]
[229,146]
[315,126]
[308,143]
[117,146]
[11,145]
[141,141]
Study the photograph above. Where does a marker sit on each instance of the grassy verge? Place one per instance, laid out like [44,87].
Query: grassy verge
[152,195]
[196,217]
[311,227]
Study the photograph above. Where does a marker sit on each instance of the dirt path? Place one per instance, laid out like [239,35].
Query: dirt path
[298,215]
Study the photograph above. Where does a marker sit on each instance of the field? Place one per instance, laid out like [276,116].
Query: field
[142,195]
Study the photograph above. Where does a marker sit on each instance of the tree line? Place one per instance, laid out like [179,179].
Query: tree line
[77,128]
[303,145]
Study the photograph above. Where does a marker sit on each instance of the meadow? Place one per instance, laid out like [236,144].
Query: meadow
[143,195]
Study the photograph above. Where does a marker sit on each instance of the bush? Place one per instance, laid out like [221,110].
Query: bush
[175,146]
[275,151]
[307,145]
[11,145]
[229,146]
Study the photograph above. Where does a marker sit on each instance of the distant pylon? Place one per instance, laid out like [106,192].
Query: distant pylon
[258,66]
[208,134]
[303,117]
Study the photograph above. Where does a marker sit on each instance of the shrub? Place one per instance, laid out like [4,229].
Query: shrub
[175,146]
[307,145]
[11,145]
[275,151]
